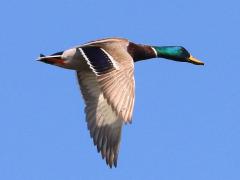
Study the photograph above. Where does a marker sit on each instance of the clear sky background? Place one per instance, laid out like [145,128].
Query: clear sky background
[186,123]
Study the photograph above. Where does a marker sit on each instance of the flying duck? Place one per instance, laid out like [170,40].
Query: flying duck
[105,72]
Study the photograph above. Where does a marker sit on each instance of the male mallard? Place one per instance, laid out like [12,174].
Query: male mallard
[105,73]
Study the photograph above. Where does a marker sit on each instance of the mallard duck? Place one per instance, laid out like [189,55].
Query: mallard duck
[105,72]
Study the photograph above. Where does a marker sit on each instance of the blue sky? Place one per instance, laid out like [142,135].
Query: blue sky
[186,122]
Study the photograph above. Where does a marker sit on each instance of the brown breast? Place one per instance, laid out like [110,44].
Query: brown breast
[140,52]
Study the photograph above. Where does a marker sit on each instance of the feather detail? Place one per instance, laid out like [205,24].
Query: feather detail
[103,123]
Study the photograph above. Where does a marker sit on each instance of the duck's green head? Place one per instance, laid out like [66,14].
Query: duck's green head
[176,53]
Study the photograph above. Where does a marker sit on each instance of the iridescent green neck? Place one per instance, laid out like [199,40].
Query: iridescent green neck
[171,52]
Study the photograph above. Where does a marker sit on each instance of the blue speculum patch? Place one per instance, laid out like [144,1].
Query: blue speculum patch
[98,59]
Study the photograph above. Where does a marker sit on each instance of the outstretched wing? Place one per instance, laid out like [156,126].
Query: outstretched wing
[103,123]
[114,70]
[108,90]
